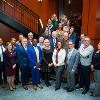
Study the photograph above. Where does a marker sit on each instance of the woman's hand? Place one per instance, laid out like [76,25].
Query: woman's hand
[50,65]
[14,66]
[92,67]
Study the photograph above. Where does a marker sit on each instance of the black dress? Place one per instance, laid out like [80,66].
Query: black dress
[47,59]
[9,61]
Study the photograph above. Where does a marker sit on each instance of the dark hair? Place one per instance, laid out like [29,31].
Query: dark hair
[83,33]
[62,45]
[8,44]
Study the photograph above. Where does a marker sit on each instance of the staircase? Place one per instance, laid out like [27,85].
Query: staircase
[16,15]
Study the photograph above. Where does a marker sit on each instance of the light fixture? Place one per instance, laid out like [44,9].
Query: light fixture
[39,1]
[69,2]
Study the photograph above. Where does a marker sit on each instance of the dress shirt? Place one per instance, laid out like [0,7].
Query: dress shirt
[2,49]
[61,57]
[70,51]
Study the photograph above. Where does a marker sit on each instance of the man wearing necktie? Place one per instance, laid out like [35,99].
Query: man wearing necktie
[2,49]
[72,64]
[35,59]
[22,59]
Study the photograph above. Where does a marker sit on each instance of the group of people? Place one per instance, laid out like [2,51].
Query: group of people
[56,50]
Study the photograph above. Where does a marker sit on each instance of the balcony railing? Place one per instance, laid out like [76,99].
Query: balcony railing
[21,14]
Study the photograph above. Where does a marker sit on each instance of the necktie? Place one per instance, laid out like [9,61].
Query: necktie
[37,54]
[57,57]
[54,42]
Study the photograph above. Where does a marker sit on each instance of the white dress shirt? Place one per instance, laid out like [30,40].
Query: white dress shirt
[2,49]
[61,57]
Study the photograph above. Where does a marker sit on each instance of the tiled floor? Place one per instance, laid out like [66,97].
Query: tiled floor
[47,93]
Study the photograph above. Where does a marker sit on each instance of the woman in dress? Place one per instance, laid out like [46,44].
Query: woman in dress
[10,65]
[58,58]
[95,66]
[47,61]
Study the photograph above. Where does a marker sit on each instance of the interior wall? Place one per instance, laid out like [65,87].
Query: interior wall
[91,20]
[6,33]
[44,9]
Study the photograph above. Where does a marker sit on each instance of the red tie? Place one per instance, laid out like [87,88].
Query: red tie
[57,57]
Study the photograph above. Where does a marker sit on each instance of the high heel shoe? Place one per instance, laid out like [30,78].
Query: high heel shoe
[14,87]
[11,89]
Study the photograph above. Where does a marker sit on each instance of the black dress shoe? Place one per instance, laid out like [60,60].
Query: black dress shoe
[70,89]
[48,84]
[57,89]
[78,87]
[84,91]
[66,88]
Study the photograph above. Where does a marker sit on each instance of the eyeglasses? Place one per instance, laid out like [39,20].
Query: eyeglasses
[86,40]
[70,44]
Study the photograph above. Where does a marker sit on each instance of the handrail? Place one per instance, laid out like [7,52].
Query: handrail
[20,13]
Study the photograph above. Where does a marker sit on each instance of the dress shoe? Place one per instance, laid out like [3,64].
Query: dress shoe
[40,86]
[14,87]
[84,91]
[70,89]
[34,87]
[78,87]
[57,89]
[48,84]
[25,87]
[66,88]
[11,89]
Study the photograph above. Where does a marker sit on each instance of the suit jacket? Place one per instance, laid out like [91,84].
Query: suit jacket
[73,61]
[73,37]
[22,56]
[32,56]
[52,43]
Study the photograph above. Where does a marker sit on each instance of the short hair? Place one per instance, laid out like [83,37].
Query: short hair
[30,33]
[71,41]
[83,33]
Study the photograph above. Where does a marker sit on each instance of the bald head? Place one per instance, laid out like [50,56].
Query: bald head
[54,34]
[65,36]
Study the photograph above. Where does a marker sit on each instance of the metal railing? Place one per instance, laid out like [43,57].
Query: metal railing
[21,14]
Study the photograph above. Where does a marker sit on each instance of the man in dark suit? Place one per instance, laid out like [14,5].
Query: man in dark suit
[23,62]
[16,46]
[2,49]
[72,63]
[53,40]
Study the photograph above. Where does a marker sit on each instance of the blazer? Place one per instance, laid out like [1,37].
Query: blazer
[73,61]
[96,60]
[72,37]
[22,56]
[32,55]
[52,44]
